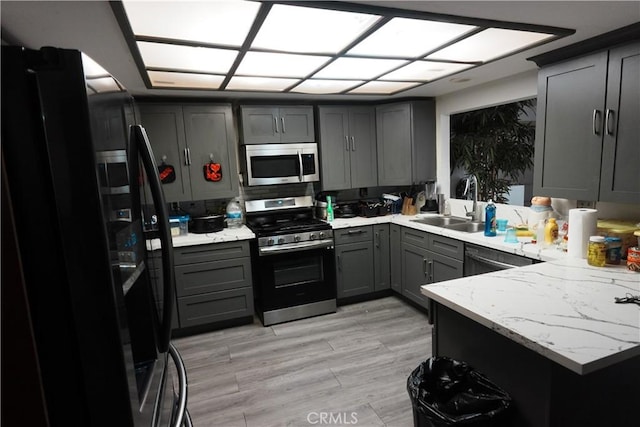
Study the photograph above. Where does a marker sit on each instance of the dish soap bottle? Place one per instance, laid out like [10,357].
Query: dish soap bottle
[234,214]
[490,219]
[550,231]
[329,209]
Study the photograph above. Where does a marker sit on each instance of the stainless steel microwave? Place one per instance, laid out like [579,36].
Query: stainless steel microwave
[267,164]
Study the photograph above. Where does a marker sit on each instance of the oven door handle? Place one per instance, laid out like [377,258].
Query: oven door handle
[295,247]
[483,260]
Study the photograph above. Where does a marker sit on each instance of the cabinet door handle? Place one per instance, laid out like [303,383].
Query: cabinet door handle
[186,158]
[424,266]
[284,130]
[377,239]
[346,141]
[189,155]
[430,271]
[595,120]
[275,123]
[360,231]
[607,120]
[339,263]
[353,144]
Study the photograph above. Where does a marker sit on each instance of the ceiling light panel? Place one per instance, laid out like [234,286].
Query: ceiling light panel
[383,88]
[425,71]
[166,79]
[279,64]
[310,30]
[409,38]
[262,84]
[217,22]
[489,44]
[358,68]
[187,58]
[317,86]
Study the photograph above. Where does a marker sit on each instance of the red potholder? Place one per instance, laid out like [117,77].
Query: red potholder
[212,172]
[167,173]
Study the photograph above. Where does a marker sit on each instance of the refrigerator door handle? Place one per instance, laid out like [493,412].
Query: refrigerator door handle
[168,276]
[181,415]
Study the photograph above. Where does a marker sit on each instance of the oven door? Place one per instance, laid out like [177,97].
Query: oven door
[289,278]
[281,163]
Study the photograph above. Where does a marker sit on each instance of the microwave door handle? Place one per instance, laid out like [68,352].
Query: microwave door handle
[139,135]
[300,164]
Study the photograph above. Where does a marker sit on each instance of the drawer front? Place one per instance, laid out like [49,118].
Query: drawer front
[193,279]
[212,252]
[215,306]
[353,235]
[446,246]
[415,237]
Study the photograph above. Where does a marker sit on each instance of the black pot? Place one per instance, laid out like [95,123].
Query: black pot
[207,224]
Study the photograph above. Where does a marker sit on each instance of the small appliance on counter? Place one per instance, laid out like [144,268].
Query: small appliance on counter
[431,198]
[373,207]
[346,209]
[207,224]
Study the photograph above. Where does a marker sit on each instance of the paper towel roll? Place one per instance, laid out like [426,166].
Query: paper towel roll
[583,223]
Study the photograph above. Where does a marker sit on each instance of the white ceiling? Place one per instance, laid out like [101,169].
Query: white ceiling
[91,27]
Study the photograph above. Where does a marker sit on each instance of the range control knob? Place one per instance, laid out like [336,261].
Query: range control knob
[312,236]
[270,241]
[280,240]
[321,234]
[296,238]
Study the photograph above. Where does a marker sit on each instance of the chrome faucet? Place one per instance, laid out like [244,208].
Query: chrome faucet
[472,185]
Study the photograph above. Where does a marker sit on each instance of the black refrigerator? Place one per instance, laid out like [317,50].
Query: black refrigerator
[86,311]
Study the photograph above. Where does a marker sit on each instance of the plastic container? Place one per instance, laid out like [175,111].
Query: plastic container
[617,228]
[490,219]
[502,224]
[550,231]
[597,252]
[614,250]
[179,225]
[234,214]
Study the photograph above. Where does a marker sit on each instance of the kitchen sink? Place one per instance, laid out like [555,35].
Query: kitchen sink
[441,221]
[467,227]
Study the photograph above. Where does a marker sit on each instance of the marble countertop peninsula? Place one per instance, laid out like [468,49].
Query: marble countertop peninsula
[192,239]
[564,310]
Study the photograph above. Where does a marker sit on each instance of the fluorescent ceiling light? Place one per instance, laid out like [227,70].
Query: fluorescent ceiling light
[425,71]
[384,88]
[409,38]
[357,68]
[489,44]
[186,58]
[184,80]
[260,84]
[279,64]
[315,86]
[219,22]
[310,30]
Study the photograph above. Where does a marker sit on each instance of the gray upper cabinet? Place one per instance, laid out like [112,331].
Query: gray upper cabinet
[187,138]
[587,127]
[274,124]
[620,177]
[406,142]
[348,147]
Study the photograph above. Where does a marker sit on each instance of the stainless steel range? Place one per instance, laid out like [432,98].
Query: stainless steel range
[293,260]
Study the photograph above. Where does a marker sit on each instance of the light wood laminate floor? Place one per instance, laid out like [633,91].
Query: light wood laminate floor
[351,365]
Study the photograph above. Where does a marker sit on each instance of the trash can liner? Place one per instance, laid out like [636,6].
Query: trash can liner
[450,392]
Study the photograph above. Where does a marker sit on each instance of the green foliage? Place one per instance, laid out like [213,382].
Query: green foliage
[494,145]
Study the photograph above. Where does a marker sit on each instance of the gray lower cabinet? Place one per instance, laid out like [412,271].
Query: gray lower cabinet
[354,261]
[406,142]
[348,147]
[276,124]
[395,256]
[381,257]
[428,258]
[587,127]
[188,137]
[213,283]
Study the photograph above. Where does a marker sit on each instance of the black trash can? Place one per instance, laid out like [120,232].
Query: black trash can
[447,392]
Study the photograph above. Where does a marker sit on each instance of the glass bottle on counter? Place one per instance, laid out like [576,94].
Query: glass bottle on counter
[329,209]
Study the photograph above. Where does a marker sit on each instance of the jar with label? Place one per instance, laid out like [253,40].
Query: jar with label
[614,249]
[597,252]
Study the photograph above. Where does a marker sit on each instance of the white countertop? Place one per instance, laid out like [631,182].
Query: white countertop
[522,248]
[192,239]
[563,310]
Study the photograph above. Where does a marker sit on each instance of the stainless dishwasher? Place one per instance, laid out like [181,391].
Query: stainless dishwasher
[480,259]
